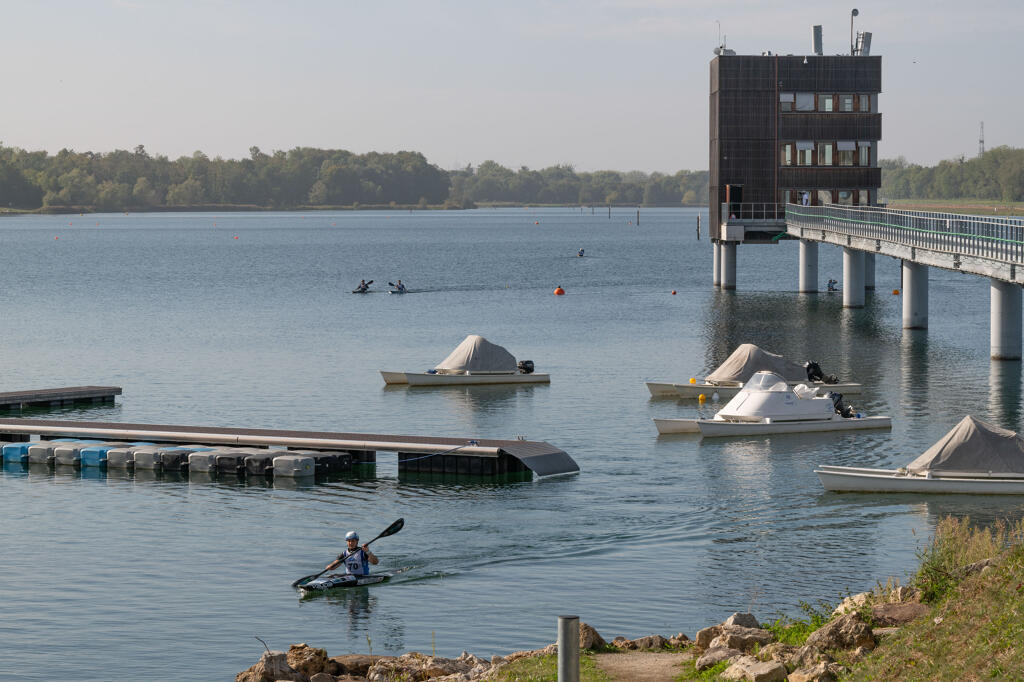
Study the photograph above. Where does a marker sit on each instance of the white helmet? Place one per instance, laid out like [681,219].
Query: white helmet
[351,535]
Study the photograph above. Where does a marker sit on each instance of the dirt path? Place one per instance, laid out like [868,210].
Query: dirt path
[637,666]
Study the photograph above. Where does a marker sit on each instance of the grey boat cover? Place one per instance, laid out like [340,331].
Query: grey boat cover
[974,445]
[748,358]
[477,354]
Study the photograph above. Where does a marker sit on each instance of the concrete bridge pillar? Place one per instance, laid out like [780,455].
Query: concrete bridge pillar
[869,271]
[915,295]
[808,267]
[716,255]
[1005,320]
[853,278]
[728,268]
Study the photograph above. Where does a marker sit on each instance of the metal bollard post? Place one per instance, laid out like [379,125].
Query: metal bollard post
[568,649]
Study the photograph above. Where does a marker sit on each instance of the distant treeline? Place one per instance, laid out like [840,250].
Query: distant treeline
[307,177]
[491,182]
[997,174]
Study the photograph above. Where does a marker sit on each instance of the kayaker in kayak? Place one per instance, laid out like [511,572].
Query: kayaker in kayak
[399,286]
[363,285]
[356,559]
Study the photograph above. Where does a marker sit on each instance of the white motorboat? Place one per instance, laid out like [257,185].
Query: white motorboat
[768,404]
[475,361]
[974,457]
[748,358]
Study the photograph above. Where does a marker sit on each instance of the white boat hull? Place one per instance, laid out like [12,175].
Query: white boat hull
[693,391]
[712,428]
[662,390]
[425,379]
[852,479]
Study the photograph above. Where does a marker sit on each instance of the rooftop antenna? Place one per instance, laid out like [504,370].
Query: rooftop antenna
[853,46]
[981,140]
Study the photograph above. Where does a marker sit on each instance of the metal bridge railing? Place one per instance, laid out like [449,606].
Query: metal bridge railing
[995,238]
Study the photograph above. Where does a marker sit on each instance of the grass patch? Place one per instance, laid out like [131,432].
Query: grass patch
[691,674]
[981,207]
[795,631]
[956,544]
[545,669]
[979,637]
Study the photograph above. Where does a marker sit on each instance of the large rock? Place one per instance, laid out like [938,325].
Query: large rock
[747,620]
[815,673]
[589,639]
[272,666]
[353,664]
[704,637]
[679,640]
[307,660]
[776,651]
[651,642]
[852,603]
[749,668]
[713,657]
[846,632]
[888,615]
[742,638]
[807,656]
[416,667]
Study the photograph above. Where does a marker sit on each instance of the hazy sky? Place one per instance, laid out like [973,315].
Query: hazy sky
[605,84]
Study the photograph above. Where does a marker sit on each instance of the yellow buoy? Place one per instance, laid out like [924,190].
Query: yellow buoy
[693,380]
[702,398]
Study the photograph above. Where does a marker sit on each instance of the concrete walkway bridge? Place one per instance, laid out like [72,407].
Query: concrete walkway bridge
[988,246]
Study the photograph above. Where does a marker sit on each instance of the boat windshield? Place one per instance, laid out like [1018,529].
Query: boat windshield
[767,381]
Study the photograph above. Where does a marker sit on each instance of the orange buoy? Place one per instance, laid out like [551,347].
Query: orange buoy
[673,292]
[895,292]
[56,237]
[559,291]
[536,222]
[236,236]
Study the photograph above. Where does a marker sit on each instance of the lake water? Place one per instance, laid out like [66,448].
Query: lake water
[246,320]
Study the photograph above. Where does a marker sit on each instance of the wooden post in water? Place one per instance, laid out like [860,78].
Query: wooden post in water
[609,211]
[698,227]
[637,215]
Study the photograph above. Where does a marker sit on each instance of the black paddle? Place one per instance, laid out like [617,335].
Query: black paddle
[390,530]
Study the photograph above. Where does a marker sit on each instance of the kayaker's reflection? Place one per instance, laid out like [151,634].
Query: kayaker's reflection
[358,602]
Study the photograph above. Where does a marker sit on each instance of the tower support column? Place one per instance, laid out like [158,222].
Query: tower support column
[915,295]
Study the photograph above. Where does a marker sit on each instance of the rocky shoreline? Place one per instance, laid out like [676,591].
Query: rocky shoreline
[753,652]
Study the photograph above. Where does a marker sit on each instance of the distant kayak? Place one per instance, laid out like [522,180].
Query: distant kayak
[398,291]
[360,291]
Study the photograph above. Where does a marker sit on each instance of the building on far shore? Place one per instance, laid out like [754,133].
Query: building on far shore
[791,129]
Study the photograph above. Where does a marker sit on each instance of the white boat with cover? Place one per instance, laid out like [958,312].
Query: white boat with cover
[768,404]
[474,361]
[737,369]
[974,457]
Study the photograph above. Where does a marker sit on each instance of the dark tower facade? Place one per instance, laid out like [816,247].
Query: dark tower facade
[790,129]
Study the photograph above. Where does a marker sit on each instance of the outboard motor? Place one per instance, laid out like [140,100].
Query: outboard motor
[814,373]
[525,366]
[844,410]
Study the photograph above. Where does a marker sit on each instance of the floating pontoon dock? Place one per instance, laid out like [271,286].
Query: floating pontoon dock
[256,451]
[55,397]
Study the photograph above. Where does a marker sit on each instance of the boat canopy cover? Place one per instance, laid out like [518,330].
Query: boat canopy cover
[974,445]
[477,354]
[748,358]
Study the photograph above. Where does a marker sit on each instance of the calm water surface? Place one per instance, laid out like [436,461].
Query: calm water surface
[121,577]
